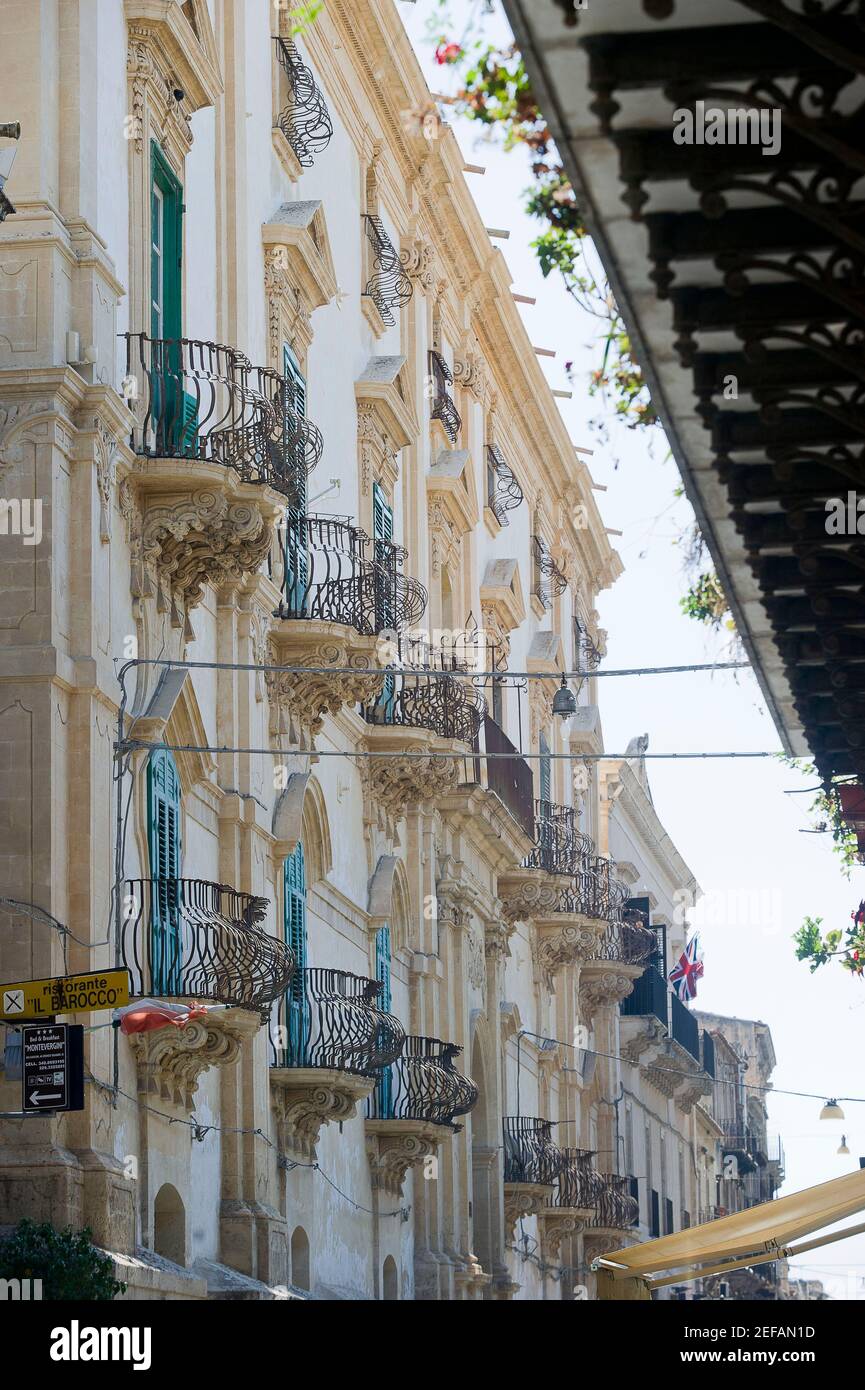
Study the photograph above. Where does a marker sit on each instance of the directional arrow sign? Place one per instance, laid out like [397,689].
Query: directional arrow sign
[52,1072]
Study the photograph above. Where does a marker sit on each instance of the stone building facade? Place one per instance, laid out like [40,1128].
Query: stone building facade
[263,368]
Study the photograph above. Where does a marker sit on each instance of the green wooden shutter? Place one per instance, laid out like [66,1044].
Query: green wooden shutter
[294,908]
[163,833]
[382,974]
[296,555]
[174,410]
[545,770]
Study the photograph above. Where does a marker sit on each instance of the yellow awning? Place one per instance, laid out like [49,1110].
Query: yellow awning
[759,1230]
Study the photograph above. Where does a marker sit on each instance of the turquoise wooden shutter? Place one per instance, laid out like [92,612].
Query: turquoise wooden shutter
[382,974]
[163,833]
[545,770]
[296,555]
[294,908]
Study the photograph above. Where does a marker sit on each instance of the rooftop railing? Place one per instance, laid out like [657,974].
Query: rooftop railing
[330,1019]
[183,938]
[424,1084]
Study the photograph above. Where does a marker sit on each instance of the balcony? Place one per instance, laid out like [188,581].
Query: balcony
[510,777]
[388,287]
[304,122]
[185,939]
[431,710]
[615,1209]
[618,960]
[684,1028]
[442,407]
[493,808]
[340,592]
[534,890]
[329,1045]
[504,493]
[418,1097]
[532,1163]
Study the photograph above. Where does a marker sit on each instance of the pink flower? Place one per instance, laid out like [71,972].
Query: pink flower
[448,53]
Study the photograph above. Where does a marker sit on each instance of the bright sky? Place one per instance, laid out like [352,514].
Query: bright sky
[731,820]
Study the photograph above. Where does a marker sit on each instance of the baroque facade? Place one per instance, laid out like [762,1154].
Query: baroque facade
[307,502]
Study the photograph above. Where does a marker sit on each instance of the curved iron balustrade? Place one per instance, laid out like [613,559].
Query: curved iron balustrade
[614,1207]
[530,1154]
[578,1184]
[332,571]
[589,649]
[560,845]
[305,122]
[593,891]
[183,938]
[625,943]
[205,401]
[423,1084]
[389,287]
[442,407]
[329,1019]
[551,582]
[504,493]
[450,707]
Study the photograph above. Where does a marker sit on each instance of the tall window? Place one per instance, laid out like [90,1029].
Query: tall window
[163,837]
[296,552]
[382,974]
[546,770]
[294,910]
[166,247]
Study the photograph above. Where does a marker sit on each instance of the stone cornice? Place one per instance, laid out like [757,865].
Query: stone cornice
[637,807]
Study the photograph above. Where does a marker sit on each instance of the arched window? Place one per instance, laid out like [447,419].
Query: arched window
[300,1259]
[169,1225]
[390,1280]
[163,845]
[382,974]
[294,909]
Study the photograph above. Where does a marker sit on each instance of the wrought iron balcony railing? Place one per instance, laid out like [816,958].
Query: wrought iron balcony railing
[588,649]
[684,1028]
[330,1019]
[442,702]
[549,581]
[614,1207]
[578,1183]
[594,892]
[625,943]
[305,121]
[442,407]
[650,997]
[207,402]
[389,287]
[424,1084]
[504,493]
[530,1155]
[332,571]
[182,938]
[560,845]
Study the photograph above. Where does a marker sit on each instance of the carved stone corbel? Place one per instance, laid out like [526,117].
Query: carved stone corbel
[554,1223]
[524,1199]
[394,1146]
[170,1060]
[305,1098]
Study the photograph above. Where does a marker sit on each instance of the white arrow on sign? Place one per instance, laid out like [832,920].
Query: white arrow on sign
[37,1097]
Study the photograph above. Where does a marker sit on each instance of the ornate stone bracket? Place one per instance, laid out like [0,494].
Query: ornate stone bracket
[641,1036]
[602,1242]
[554,1223]
[529,894]
[524,1199]
[609,985]
[394,1146]
[170,1060]
[305,1098]
[300,701]
[182,540]
[562,939]
[399,783]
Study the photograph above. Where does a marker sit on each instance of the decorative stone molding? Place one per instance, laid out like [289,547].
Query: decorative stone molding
[497,936]
[417,257]
[602,1242]
[606,986]
[180,541]
[641,1037]
[529,894]
[470,371]
[486,823]
[305,1098]
[523,1199]
[394,1146]
[300,701]
[386,420]
[562,940]
[401,783]
[289,314]
[171,1060]
[554,1223]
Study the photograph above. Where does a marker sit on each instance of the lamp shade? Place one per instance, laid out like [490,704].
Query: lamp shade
[831,1111]
[564,701]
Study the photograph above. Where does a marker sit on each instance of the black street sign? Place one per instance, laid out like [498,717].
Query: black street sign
[52,1070]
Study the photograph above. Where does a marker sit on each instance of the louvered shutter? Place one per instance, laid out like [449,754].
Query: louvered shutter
[294,899]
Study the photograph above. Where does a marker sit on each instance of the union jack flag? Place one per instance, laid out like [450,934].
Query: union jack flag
[687,971]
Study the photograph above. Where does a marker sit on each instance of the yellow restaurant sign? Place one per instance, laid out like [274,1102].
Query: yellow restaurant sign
[65,994]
